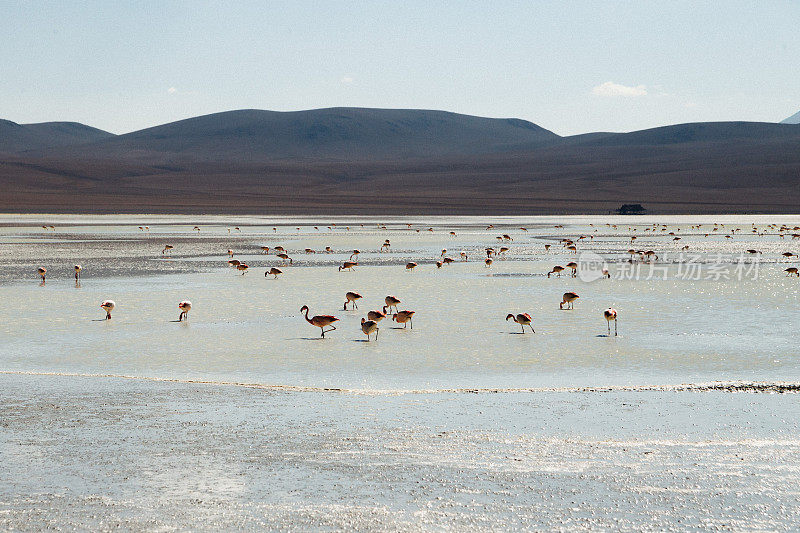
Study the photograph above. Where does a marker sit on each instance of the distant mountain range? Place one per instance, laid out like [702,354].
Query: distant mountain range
[355,160]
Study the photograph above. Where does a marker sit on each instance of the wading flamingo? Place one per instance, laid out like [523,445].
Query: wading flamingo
[377,316]
[273,272]
[391,301]
[348,265]
[368,327]
[42,272]
[574,267]
[78,269]
[185,306]
[351,297]
[404,317]
[320,321]
[285,258]
[792,271]
[610,315]
[488,261]
[242,267]
[167,248]
[569,299]
[556,270]
[411,266]
[523,319]
[108,306]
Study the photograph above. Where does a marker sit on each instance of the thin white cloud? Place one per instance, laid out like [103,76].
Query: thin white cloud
[172,90]
[610,88]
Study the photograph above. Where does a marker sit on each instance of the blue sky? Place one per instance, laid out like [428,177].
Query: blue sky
[571,67]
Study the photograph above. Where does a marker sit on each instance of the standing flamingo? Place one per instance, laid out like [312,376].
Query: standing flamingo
[404,317]
[185,306]
[610,315]
[569,299]
[78,269]
[351,297]
[320,321]
[42,272]
[167,248]
[108,306]
[368,327]
[488,261]
[411,266]
[348,265]
[242,267]
[391,301]
[523,319]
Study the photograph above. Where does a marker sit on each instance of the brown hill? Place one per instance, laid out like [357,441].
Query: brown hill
[196,166]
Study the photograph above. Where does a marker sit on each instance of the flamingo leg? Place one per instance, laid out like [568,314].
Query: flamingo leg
[615,327]
[376,333]
[523,328]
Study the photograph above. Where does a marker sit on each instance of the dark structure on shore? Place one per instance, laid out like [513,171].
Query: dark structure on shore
[631,209]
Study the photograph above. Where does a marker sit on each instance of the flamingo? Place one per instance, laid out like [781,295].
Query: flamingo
[611,315]
[185,306]
[348,265]
[78,269]
[354,255]
[411,266]
[391,301]
[556,270]
[523,319]
[377,316]
[265,249]
[447,260]
[569,299]
[230,253]
[108,306]
[234,262]
[368,327]
[444,251]
[438,264]
[285,258]
[404,317]
[463,256]
[792,270]
[42,272]
[320,321]
[547,247]
[488,261]
[242,267]
[167,248]
[273,272]
[574,266]
[351,297]
[310,251]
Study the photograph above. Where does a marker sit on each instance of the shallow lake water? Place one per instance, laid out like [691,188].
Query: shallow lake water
[248,327]
[243,417]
